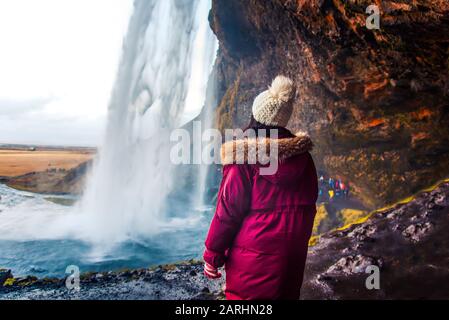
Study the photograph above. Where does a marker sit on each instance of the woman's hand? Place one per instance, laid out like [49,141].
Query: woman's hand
[211,272]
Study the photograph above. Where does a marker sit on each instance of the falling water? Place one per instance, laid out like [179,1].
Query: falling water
[167,58]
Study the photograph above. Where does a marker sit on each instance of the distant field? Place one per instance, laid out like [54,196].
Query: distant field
[15,162]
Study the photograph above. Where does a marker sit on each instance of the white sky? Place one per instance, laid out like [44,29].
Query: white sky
[58,60]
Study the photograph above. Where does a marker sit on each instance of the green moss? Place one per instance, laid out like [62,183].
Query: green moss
[321,215]
[351,216]
[9,282]
[27,282]
[61,201]
[225,110]
[314,241]
[400,202]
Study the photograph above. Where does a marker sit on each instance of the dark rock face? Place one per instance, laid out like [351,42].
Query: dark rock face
[375,101]
[408,243]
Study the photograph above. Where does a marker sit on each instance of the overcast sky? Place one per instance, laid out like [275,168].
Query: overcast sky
[58,60]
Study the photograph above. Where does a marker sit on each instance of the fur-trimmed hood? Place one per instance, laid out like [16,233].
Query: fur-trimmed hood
[247,150]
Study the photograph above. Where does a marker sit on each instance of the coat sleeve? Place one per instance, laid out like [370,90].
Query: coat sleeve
[232,205]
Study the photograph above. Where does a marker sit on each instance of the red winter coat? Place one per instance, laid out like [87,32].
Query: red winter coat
[262,224]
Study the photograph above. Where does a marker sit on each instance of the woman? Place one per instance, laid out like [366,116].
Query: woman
[262,224]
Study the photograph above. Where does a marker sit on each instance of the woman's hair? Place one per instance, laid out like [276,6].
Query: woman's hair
[256,126]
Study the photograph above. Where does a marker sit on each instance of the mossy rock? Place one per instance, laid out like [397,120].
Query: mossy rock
[169,267]
[27,281]
[9,282]
[321,215]
[351,216]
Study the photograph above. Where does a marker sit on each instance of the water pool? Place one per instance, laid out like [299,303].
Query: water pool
[34,240]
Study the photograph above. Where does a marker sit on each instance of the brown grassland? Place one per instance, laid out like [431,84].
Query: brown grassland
[19,162]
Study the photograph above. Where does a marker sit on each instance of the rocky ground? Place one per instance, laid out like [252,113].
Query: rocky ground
[170,282]
[408,242]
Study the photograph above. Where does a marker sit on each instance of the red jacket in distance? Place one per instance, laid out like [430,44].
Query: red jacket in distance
[262,224]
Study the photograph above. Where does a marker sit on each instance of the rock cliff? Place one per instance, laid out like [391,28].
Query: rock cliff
[375,101]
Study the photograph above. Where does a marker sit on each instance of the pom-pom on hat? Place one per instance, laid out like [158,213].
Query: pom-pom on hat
[271,107]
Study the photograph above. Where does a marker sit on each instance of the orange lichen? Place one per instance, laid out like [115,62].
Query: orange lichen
[315,74]
[356,113]
[331,23]
[352,22]
[374,86]
[419,136]
[421,114]
[395,6]
[375,122]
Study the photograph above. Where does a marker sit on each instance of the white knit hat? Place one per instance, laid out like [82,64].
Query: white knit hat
[271,107]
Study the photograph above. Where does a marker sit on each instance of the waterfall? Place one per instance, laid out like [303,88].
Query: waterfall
[167,58]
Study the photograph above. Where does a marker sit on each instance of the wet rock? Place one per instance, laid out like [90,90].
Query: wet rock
[123,285]
[48,283]
[170,276]
[25,281]
[99,276]
[363,233]
[174,270]
[391,215]
[338,234]
[384,213]
[441,199]
[394,214]
[398,227]
[125,274]
[193,273]
[135,273]
[434,206]
[324,277]
[426,214]
[157,270]
[353,264]
[5,274]
[416,232]
[205,290]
